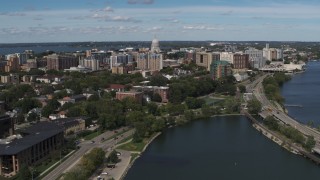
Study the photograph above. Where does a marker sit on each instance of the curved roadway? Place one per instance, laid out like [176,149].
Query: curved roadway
[257,90]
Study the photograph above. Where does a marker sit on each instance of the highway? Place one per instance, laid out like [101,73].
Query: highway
[85,147]
[272,110]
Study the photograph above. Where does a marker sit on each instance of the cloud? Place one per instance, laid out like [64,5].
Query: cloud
[201,27]
[38,18]
[106,9]
[140,1]
[12,14]
[227,13]
[122,19]
[170,20]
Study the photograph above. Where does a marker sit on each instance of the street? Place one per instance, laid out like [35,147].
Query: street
[85,147]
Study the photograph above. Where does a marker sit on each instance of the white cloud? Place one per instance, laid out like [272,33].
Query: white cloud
[140,1]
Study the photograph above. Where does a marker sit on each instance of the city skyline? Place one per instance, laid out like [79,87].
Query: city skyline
[140,20]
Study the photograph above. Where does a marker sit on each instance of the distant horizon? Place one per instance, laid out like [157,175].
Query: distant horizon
[159,41]
[41,21]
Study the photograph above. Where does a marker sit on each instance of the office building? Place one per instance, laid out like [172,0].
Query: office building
[33,145]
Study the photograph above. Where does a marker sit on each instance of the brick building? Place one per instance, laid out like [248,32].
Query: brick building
[61,62]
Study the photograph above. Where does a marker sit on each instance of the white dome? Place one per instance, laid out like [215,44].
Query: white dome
[155,45]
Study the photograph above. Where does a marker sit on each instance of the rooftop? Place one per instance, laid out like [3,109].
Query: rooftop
[31,135]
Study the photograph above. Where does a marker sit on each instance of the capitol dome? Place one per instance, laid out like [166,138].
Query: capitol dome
[155,48]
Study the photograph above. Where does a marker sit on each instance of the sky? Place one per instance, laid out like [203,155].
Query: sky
[24,21]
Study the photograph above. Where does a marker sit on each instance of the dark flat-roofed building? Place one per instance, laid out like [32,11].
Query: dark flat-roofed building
[33,145]
[6,126]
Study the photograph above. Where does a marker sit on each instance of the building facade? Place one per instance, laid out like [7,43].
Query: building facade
[137,96]
[256,59]
[240,61]
[149,61]
[32,146]
[61,62]
[12,64]
[6,126]
[220,69]
[204,59]
[90,63]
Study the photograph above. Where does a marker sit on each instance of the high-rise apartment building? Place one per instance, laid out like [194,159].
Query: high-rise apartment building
[61,62]
[220,69]
[90,63]
[12,64]
[149,61]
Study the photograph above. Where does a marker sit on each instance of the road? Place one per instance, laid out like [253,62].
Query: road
[272,110]
[85,147]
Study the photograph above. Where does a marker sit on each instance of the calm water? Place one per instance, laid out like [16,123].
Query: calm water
[304,89]
[221,148]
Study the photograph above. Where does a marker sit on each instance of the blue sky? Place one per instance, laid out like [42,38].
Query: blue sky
[135,20]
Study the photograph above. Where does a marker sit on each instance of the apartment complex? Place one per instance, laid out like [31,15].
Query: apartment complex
[204,59]
[220,69]
[61,62]
[149,61]
[12,64]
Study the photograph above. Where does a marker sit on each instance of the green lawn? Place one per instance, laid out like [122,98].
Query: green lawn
[131,146]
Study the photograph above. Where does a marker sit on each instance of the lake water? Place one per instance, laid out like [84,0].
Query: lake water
[304,89]
[219,148]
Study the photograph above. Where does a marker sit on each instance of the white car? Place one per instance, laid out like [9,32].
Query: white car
[104,173]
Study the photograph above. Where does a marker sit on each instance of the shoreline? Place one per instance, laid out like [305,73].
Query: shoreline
[135,158]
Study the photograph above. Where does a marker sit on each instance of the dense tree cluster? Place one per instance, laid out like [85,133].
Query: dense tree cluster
[88,164]
[12,94]
[290,133]
[189,86]
[271,86]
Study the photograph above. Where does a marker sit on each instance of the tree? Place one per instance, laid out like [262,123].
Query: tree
[76,111]
[33,117]
[24,173]
[189,115]
[310,143]
[271,123]
[20,118]
[158,80]
[254,106]
[232,105]
[113,157]
[194,103]
[50,107]
[242,88]
[27,104]
[153,108]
